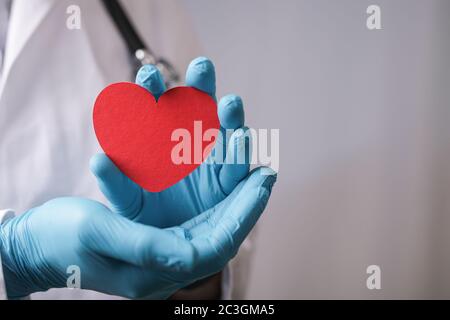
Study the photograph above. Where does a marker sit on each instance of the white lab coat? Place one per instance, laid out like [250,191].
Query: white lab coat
[50,80]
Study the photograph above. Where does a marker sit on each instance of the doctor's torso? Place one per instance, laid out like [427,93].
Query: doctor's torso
[50,79]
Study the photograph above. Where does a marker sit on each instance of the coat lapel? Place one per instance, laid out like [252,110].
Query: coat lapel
[25,18]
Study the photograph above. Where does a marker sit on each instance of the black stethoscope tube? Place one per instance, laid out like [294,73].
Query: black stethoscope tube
[124,25]
[140,53]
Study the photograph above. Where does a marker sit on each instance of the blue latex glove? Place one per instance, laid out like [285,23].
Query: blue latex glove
[121,257]
[209,184]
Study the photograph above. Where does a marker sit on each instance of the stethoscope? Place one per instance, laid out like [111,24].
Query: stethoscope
[140,53]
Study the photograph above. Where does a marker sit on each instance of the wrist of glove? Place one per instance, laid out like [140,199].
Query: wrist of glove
[19,268]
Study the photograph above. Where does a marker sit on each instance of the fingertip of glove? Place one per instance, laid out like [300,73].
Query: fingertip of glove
[151,79]
[201,74]
[231,100]
[100,164]
[146,72]
[231,112]
[201,65]
[269,182]
[270,177]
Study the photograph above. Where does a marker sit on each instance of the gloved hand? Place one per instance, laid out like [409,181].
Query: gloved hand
[121,257]
[209,184]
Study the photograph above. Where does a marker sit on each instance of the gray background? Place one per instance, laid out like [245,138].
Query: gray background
[365,158]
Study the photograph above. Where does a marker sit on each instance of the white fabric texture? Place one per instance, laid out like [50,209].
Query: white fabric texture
[5,6]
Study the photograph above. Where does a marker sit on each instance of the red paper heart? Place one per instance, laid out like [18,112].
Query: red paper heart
[135,131]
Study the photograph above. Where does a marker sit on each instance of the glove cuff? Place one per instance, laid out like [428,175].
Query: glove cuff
[4,215]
